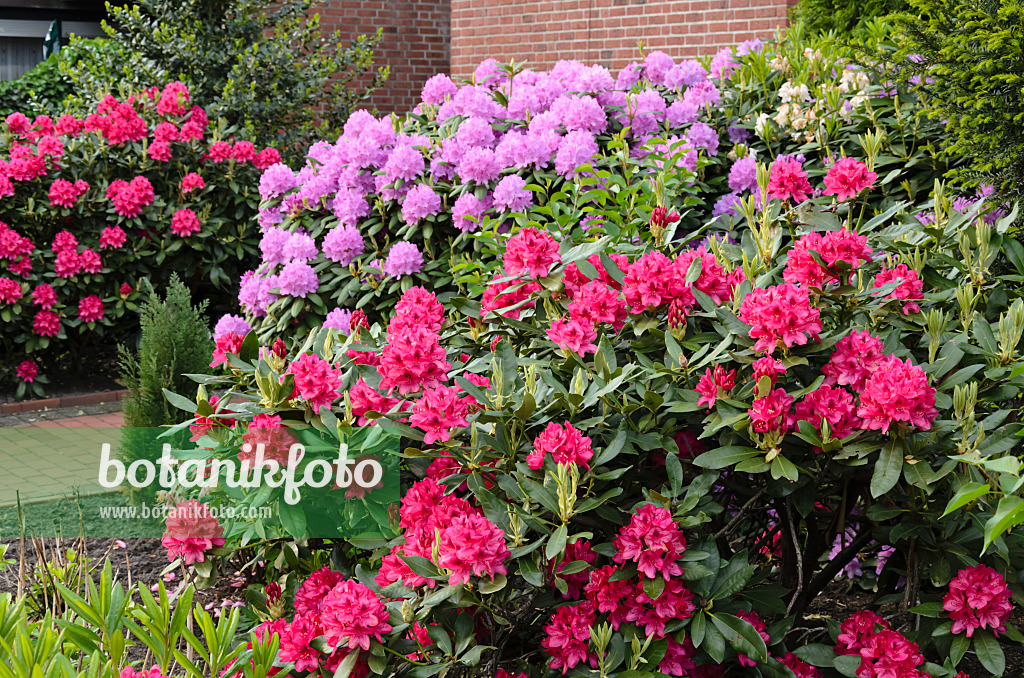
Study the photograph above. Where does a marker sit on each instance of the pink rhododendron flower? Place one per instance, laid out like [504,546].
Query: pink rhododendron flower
[412,360]
[191,182]
[63,193]
[910,286]
[782,313]
[173,99]
[184,222]
[46,324]
[854,632]
[268,431]
[10,291]
[228,342]
[897,392]
[309,598]
[130,197]
[578,550]
[832,405]
[857,356]
[352,615]
[44,296]
[417,307]
[440,410]
[191,530]
[715,384]
[499,295]
[888,653]
[833,247]
[978,598]
[154,672]
[653,541]
[567,636]
[90,308]
[596,303]
[112,237]
[204,424]
[243,151]
[847,178]
[768,367]
[678,659]
[472,545]
[159,151]
[365,399]
[266,158]
[771,413]
[652,281]
[565,444]
[316,382]
[27,371]
[800,668]
[573,335]
[788,181]
[530,252]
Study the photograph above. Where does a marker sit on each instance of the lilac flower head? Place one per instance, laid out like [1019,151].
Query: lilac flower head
[737,134]
[340,319]
[254,293]
[479,165]
[276,180]
[349,206]
[489,73]
[231,323]
[743,175]
[272,245]
[656,67]
[475,132]
[419,203]
[648,110]
[343,244]
[299,246]
[404,258]
[703,93]
[405,162]
[682,112]
[577,148]
[723,65]
[686,73]
[297,279]
[511,194]
[580,113]
[468,205]
[438,88]
[271,216]
[701,135]
[628,76]
[748,46]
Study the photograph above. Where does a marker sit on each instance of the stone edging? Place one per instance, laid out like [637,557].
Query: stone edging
[66,401]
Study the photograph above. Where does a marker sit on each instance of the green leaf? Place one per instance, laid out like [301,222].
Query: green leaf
[1009,513]
[817,654]
[181,402]
[887,469]
[989,652]
[966,495]
[293,519]
[958,648]
[742,636]
[556,542]
[928,609]
[723,457]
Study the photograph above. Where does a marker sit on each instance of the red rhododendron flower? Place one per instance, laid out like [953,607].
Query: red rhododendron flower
[532,252]
[44,296]
[771,413]
[112,237]
[10,291]
[440,410]
[411,361]
[573,335]
[678,659]
[910,286]
[229,342]
[800,668]
[316,382]
[565,444]
[309,598]
[897,392]
[854,632]
[90,309]
[782,313]
[833,247]
[472,545]
[27,371]
[184,222]
[191,182]
[125,289]
[266,158]
[268,431]
[46,324]
[847,178]
[978,598]
[768,367]
[578,550]
[567,637]
[888,654]
[352,615]
[833,405]
[788,181]
[173,99]
[715,384]
[653,541]
[63,193]
[857,356]
[191,530]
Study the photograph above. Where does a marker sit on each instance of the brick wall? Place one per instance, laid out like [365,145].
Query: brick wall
[603,31]
[415,45]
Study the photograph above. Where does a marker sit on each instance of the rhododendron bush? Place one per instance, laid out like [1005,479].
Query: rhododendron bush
[394,202]
[631,455]
[89,207]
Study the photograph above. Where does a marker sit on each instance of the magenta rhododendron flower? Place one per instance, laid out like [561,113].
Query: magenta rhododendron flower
[411,361]
[316,382]
[154,672]
[112,237]
[10,291]
[832,405]
[910,287]
[978,598]
[185,222]
[596,303]
[652,281]
[854,632]
[44,296]
[191,530]
[573,335]
[715,384]
[530,252]
[227,342]
[46,324]
[365,398]
[191,182]
[437,412]
[771,412]
[857,356]
[130,197]
[90,309]
[579,550]
[788,181]
[897,392]
[847,178]
[835,246]
[266,158]
[780,314]
[653,541]
[567,637]
[503,295]
[309,598]
[269,431]
[352,615]
[27,371]
[173,99]
[471,545]
[565,445]
[889,653]
[63,193]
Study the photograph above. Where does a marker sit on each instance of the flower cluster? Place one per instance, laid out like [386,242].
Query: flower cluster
[191,531]
[978,598]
